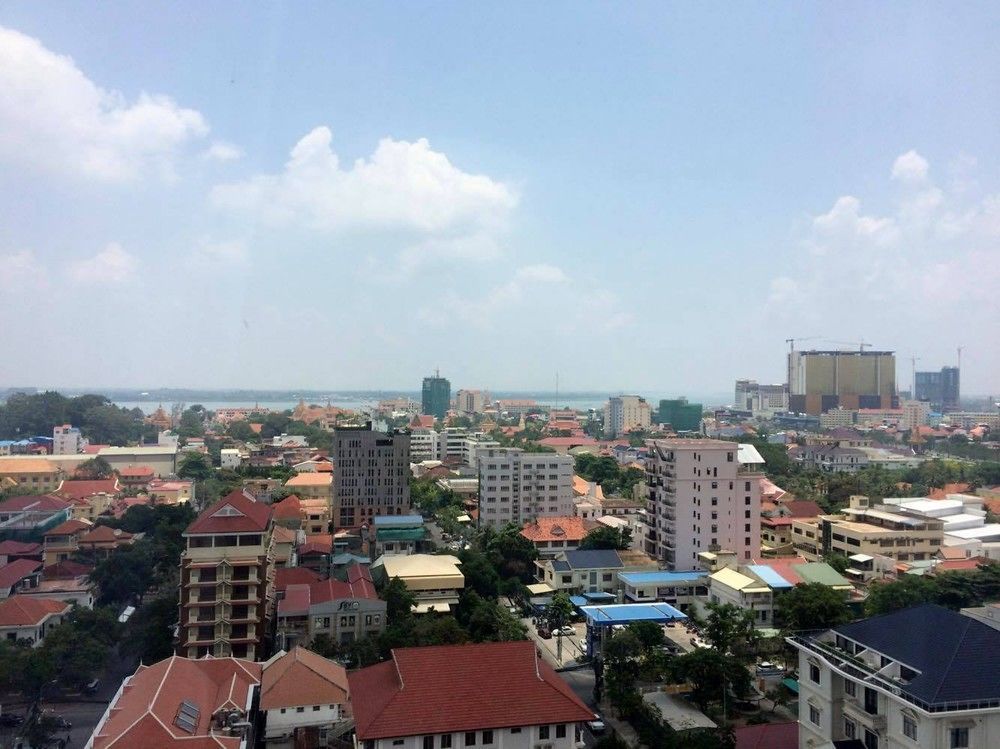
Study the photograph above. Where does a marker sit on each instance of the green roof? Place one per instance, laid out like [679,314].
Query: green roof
[400,534]
[821,572]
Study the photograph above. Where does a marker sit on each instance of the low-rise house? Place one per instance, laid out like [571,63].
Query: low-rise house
[11,551]
[830,458]
[396,534]
[135,479]
[170,491]
[30,618]
[343,610]
[312,485]
[519,700]
[679,589]
[63,541]
[314,553]
[35,474]
[591,570]
[288,512]
[101,540]
[923,677]
[304,698]
[205,703]
[26,518]
[436,580]
[19,575]
[286,542]
[551,535]
[76,590]
[315,515]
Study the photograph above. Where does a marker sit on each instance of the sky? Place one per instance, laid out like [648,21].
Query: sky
[643,196]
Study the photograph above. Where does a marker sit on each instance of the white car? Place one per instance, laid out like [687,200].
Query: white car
[596,725]
[565,631]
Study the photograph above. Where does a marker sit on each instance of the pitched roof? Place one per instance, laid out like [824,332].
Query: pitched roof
[37,502]
[66,570]
[302,677]
[73,525]
[593,558]
[81,489]
[237,512]
[957,657]
[135,472]
[311,479]
[803,508]
[104,534]
[27,465]
[556,529]
[358,585]
[947,489]
[285,576]
[289,507]
[768,736]
[145,711]
[23,611]
[19,548]
[416,692]
[14,572]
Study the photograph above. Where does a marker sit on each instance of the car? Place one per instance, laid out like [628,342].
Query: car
[583,645]
[766,668]
[596,725]
[10,720]
[544,632]
[58,721]
[92,686]
[566,631]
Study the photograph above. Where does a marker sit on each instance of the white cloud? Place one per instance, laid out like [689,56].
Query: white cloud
[402,186]
[52,117]
[219,255]
[540,274]
[21,271]
[111,265]
[910,167]
[478,247]
[223,151]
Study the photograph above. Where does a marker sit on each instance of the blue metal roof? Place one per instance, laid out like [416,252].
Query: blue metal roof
[560,566]
[769,576]
[623,613]
[663,577]
[593,559]
[397,520]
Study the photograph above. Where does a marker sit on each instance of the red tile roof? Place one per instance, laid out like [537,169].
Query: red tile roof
[66,570]
[19,548]
[546,529]
[960,564]
[776,522]
[302,677]
[319,543]
[416,693]
[144,713]
[23,611]
[81,489]
[45,502]
[803,508]
[947,489]
[237,512]
[136,472]
[12,573]
[103,534]
[768,736]
[295,602]
[359,585]
[285,576]
[289,507]
[567,441]
[71,526]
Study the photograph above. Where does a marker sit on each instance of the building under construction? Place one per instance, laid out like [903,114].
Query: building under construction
[821,380]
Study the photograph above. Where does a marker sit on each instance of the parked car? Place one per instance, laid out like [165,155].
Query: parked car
[544,632]
[92,686]
[766,668]
[566,631]
[10,720]
[583,645]
[596,725]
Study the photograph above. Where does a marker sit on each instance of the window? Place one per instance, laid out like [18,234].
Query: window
[428,742]
[850,688]
[398,742]
[369,744]
[446,741]
[282,711]
[543,733]
[814,673]
[959,738]
[871,701]
[871,739]
[300,709]
[909,727]
[315,708]
[561,731]
[850,729]
[470,738]
[516,729]
[487,737]
[814,715]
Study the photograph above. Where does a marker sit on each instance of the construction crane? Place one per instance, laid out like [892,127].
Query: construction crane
[860,344]
[791,341]
[913,371]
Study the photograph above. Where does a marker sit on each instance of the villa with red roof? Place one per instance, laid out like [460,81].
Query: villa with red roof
[553,534]
[304,697]
[181,702]
[450,696]
[30,618]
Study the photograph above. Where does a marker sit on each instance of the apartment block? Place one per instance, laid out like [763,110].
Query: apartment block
[435,396]
[226,581]
[821,380]
[517,486]
[624,413]
[470,402]
[760,398]
[371,477]
[920,678]
[66,440]
[701,498]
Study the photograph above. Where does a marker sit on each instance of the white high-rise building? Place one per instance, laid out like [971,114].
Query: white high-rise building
[66,440]
[623,413]
[516,486]
[701,498]
[758,398]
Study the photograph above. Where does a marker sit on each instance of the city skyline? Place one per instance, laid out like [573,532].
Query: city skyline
[184,195]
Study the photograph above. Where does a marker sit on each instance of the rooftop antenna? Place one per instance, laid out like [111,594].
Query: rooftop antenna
[960,357]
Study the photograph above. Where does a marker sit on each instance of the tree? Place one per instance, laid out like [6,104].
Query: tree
[124,576]
[192,422]
[811,606]
[480,575]
[94,469]
[605,537]
[560,611]
[399,601]
[711,674]
[838,561]
[149,632]
[730,630]
[324,645]
[241,430]
[195,466]
[908,590]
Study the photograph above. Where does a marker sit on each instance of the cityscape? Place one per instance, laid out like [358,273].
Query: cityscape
[315,435]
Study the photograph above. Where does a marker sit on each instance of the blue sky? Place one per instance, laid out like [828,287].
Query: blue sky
[647,197]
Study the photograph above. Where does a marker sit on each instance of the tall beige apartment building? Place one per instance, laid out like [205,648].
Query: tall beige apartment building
[516,486]
[821,380]
[623,413]
[700,499]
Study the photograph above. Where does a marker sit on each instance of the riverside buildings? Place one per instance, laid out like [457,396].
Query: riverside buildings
[701,498]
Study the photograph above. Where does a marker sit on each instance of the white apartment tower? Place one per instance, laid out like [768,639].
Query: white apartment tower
[66,440]
[700,499]
[623,413]
[516,486]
